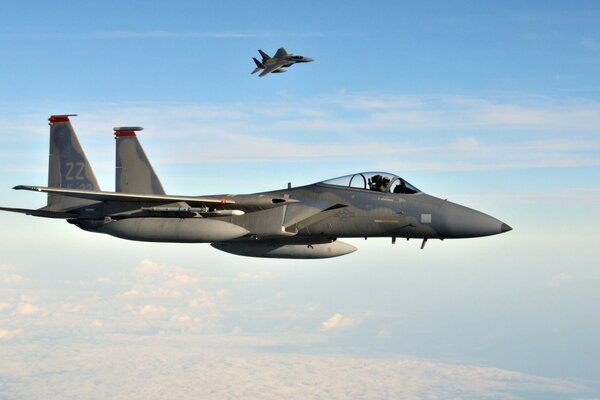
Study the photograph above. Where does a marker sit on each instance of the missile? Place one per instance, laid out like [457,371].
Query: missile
[201,211]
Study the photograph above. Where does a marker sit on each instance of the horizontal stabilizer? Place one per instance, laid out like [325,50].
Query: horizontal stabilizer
[41,213]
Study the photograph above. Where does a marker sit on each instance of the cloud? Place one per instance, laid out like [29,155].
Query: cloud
[384,333]
[253,276]
[4,306]
[590,43]
[138,291]
[148,267]
[203,299]
[181,318]
[131,293]
[164,35]
[113,35]
[562,277]
[182,279]
[28,309]
[72,308]
[8,277]
[6,334]
[157,280]
[459,133]
[97,323]
[172,276]
[142,367]
[338,320]
[135,342]
[426,132]
[150,309]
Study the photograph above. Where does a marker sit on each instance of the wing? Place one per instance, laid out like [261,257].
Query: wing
[270,69]
[244,202]
[124,197]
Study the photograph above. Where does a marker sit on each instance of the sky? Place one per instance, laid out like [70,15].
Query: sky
[493,105]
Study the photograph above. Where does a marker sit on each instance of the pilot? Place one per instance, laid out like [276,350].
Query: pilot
[379,183]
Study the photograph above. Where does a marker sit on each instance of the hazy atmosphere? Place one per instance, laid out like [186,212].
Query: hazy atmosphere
[494,105]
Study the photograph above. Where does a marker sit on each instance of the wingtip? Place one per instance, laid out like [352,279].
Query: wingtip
[26,187]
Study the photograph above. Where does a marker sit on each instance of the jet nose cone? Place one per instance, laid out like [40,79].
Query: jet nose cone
[308,59]
[463,222]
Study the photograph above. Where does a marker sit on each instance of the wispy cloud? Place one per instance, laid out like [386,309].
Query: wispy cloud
[428,133]
[163,35]
[562,277]
[176,35]
[590,43]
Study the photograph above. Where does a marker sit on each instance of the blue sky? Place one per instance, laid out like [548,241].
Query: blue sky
[492,105]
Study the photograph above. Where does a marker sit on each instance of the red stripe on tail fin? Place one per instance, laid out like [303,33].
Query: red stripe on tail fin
[124,133]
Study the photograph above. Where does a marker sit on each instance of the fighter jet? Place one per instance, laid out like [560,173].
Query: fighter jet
[278,62]
[303,222]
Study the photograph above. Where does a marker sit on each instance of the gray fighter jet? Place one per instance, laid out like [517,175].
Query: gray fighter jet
[303,222]
[278,62]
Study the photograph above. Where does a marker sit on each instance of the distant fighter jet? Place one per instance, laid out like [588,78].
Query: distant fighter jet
[278,62]
[303,222]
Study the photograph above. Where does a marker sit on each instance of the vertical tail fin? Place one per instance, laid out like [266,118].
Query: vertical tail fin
[264,55]
[68,166]
[281,53]
[258,63]
[133,171]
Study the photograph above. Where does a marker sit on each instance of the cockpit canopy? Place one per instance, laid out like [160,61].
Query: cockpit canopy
[377,181]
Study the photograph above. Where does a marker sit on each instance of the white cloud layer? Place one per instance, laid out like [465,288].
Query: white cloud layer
[211,341]
[175,367]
